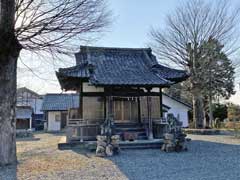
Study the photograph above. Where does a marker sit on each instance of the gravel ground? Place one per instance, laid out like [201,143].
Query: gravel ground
[208,158]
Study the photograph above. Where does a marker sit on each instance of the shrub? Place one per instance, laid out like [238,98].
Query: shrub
[233,112]
[220,111]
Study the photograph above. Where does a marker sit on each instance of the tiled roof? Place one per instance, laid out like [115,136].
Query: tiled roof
[121,66]
[80,71]
[23,112]
[169,73]
[60,102]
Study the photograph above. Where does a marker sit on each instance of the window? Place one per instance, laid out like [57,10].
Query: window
[57,117]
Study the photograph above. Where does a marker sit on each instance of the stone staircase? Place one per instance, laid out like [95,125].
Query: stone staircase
[136,128]
[142,144]
[141,141]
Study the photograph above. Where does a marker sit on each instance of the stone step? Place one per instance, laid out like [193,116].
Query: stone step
[140,133]
[91,145]
[142,147]
[135,129]
[142,138]
[140,144]
[128,125]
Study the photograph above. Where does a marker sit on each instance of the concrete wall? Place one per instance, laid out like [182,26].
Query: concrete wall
[177,108]
[53,123]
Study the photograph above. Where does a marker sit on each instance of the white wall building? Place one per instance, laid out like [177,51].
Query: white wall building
[177,108]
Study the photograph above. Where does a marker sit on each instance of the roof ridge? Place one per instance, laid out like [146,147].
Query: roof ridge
[112,48]
[61,94]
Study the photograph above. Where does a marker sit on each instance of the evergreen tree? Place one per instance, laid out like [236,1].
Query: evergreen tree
[217,73]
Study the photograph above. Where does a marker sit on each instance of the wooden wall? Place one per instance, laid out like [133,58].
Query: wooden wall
[93,109]
[155,108]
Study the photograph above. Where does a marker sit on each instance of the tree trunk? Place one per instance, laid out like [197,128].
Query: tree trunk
[198,110]
[8,66]
[210,111]
[9,52]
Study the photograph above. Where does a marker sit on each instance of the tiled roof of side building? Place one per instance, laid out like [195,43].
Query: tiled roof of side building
[60,102]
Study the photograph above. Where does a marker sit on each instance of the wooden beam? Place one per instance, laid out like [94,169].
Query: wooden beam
[126,94]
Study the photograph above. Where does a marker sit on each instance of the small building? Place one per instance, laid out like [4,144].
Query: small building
[24,117]
[121,87]
[55,108]
[27,97]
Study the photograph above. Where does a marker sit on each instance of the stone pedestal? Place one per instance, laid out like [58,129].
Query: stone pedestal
[174,142]
[105,148]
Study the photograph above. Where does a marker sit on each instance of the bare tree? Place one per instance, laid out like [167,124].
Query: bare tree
[38,25]
[188,27]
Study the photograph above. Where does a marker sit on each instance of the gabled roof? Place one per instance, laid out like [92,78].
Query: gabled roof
[24,89]
[120,66]
[60,102]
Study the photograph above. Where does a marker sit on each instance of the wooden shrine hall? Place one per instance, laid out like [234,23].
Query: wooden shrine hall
[121,84]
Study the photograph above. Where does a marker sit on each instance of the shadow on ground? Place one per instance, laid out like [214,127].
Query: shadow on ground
[27,139]
[8,173]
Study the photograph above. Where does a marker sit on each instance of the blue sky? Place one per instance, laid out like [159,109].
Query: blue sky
[132,22]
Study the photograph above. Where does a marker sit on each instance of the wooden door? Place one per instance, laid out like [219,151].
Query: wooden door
[63,119]
[125,111]
[117,110]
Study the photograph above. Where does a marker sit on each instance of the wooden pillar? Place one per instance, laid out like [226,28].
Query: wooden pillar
[109,99]
[109,130]
[161,103]
[30,123]
[81,101]
[139,107]
[149,110]
[105,107]
[110,107]
[80,129]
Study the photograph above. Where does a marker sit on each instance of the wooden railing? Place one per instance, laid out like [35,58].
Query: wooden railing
[82,129]
[76,122]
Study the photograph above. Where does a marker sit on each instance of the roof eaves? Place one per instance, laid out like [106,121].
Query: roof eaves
[185,104]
